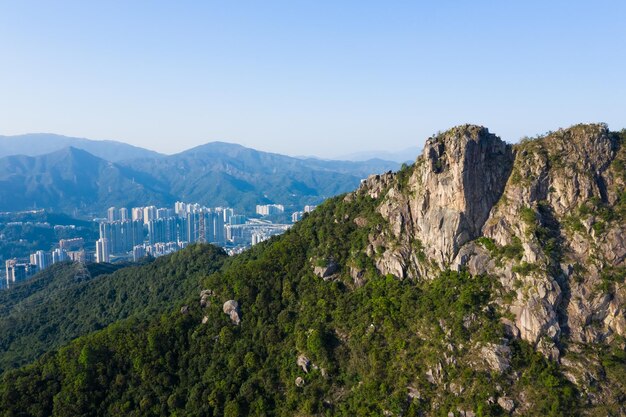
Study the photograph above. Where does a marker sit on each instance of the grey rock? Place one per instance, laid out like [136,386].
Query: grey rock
[326,271]
[231,307]
[434,375]
[510,329]
[498,357]
[205,298]
[506,403]
[303,362]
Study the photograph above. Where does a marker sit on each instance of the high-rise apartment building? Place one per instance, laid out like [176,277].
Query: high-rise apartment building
[59,255]
[228,213]
[41,259]
[102,250]
[17,271]
[149,213]
[113,214]
[137,213]
[236,219]
[71,244]
[139,252]
[269,209]
[180,209]
[122,235]
[296,216]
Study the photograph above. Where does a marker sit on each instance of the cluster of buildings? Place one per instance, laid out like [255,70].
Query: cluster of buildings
[297,216]
[269,209]
[69,250]
[160,231]
[152,231]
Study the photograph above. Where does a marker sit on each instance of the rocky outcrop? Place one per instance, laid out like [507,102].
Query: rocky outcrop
[325,269]
[303,362]
[454,185]
[205,298]
[555,181]
[549,213]
[462,176]
[231,308]
[506,403]
[497,357]
[442,202]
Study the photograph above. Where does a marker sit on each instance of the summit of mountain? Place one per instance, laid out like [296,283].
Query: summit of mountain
[35,144]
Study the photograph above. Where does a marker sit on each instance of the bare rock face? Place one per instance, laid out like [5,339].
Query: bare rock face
[303,362]
[506,403]
[497,357]
[231,307]
[462,177]
[546,218]
[446,200]
[537,317]
[376,184]
[326,270]
[205,296]
[552,181]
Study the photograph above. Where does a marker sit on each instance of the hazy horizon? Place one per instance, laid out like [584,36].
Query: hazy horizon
[322,79]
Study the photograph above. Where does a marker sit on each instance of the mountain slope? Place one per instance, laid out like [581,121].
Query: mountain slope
[70,300]
[216,174]
[72,179]
[226,174]
[35,144]
[404,155]
[363,308]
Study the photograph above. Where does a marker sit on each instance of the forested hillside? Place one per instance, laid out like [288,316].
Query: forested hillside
[70,300]
[421,293]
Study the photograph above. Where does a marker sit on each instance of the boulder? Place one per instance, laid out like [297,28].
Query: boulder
[204,298]
[506,403]
[231,307]
[303,362]
[498,357]
[326,271]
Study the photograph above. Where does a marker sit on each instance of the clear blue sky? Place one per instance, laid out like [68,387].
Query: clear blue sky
[308,77]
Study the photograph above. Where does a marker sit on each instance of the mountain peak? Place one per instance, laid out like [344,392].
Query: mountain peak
[216,147]
[35,144]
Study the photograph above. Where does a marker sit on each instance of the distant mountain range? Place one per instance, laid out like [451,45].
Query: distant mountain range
[75,180]
[35,144]
[405,155]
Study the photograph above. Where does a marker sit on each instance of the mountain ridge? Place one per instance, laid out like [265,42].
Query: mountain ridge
[35,144]
[70,179]
[215,174]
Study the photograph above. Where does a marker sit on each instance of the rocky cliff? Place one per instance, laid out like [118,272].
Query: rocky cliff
[544,218]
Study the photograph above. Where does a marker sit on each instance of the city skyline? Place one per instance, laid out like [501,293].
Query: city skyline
[132,233]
